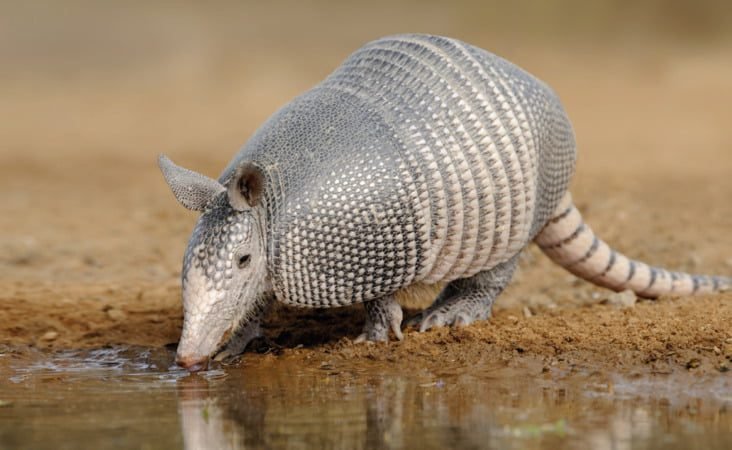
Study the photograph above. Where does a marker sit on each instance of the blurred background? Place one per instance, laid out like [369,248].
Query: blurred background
[92,91]
[114,78]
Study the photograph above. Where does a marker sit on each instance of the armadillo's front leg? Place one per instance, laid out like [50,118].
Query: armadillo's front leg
[467,300]
[382,315]
[245,334]
[239,341]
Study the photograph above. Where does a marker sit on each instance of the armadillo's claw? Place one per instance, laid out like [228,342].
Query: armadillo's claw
[396,328]
[462,320]
[434,319]
[453,312]
[362,338]
[382,315]
[239,341]
[226,356]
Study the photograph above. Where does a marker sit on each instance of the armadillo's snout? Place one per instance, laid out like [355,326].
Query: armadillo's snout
[193,364]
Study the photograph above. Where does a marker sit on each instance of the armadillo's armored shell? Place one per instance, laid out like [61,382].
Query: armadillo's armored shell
[421,158]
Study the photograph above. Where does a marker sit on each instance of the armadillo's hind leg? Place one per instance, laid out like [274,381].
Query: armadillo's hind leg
[382,315]
[467,300]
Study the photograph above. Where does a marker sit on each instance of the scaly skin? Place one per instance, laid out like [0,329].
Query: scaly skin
[571,243]
[382,315]
[464,301]
[421,159]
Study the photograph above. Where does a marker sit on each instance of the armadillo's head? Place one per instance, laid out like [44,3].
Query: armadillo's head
[224,268]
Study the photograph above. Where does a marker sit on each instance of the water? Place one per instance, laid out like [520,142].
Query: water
[131,397]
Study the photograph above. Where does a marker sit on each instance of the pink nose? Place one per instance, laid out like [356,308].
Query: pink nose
[192,364]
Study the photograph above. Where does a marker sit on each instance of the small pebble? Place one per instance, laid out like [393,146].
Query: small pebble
[116,314]
[693,363]
[49,336]
[513,319]
[728,341]
[717,350]
[625,299]
[527,312]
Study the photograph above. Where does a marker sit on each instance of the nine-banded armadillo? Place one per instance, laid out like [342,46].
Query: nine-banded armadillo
[421,159]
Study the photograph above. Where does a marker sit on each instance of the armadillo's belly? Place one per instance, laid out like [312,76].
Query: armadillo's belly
[486,145]
[419,159]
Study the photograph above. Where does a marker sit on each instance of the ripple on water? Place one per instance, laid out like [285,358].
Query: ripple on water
[115,366]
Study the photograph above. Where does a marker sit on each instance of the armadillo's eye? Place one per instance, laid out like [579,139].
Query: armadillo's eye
[244,261]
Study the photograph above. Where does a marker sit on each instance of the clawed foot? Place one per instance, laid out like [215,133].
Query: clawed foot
[238,343]
[457,313]
[381,316]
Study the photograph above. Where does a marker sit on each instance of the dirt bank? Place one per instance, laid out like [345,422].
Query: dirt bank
[653,337]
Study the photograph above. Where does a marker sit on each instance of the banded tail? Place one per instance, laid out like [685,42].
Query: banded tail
[572,244]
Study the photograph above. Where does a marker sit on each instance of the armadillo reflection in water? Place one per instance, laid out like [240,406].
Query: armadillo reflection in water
[421,159]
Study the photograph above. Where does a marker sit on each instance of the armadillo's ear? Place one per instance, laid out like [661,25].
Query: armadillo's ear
[193,190]
[245,187]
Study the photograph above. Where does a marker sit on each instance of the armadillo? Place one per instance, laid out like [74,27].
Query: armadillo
[420,160]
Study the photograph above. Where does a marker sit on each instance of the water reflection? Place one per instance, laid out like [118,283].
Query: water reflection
[134,397]
[327,409]
[211,420]
[352,407]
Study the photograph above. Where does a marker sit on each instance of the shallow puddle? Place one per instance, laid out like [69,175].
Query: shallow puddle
[136,398]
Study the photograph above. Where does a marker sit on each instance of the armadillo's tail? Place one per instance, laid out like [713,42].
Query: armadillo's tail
[569,242]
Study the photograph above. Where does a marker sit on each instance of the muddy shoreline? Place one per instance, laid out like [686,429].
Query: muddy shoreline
[664,336]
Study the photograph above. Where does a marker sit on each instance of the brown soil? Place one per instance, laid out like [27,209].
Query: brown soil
[92,240]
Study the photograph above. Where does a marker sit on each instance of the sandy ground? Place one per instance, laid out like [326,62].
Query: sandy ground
[92,240]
